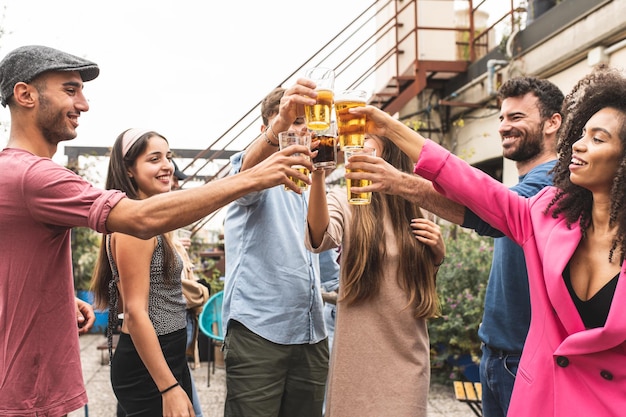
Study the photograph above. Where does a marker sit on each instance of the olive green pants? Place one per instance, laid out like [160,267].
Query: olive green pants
[267,379]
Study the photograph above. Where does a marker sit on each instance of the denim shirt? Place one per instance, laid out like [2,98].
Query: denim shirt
[329,269]
[506,316]
[272,282]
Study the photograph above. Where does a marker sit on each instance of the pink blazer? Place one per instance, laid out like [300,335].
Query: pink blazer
[564,370]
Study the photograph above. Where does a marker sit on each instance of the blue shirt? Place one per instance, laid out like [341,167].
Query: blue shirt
[272,283]
[506,317]
[329,269]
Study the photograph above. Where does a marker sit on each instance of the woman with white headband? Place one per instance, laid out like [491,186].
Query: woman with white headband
[142,279]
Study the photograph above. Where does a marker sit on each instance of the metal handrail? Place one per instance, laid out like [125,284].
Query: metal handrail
[256,106]
[325,54]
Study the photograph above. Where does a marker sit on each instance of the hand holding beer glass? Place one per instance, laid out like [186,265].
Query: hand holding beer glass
[296,138]
[350,127]
[358,198]
[318,116]
[326,157]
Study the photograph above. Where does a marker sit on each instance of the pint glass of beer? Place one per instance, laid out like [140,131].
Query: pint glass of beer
[296,138]
[318,116]
[350,127]
[327,150]
[358,198]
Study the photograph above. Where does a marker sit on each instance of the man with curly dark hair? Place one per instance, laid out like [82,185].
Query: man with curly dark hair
[529,121]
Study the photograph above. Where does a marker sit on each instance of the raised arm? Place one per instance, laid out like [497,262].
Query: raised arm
[382,124]
[389,180]
[317,216]
[164,212]
[291,105]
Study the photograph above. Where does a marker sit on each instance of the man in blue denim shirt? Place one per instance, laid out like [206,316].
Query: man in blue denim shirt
[530,117]
[275,349]
[529,121]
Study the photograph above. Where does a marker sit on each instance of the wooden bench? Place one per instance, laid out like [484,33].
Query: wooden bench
[471,394]
[104,349]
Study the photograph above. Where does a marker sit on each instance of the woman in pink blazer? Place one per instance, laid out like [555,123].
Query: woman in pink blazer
[574,239]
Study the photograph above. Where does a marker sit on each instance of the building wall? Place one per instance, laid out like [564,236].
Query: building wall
[563,58]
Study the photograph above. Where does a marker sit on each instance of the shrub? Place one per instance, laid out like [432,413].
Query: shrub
[85,248]
[461,285]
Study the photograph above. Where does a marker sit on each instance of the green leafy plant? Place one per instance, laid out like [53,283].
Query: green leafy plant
[85,242]
[85,247]
[213,276]
[461,285]
[207,270]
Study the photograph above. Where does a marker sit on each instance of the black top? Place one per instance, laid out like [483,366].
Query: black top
[595,310]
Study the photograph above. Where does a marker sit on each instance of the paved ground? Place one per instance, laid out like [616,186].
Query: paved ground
[102,401]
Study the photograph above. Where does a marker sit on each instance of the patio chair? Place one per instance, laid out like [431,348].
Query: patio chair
[210,322]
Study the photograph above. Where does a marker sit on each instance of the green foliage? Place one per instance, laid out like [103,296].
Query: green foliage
[461,285]
[206,269]
[85,247]
[212,275]
[85,242]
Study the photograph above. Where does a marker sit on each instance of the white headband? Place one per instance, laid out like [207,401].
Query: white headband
[130,137]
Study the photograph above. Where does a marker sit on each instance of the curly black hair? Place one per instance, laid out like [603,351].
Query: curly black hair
[549,96]
[604,87]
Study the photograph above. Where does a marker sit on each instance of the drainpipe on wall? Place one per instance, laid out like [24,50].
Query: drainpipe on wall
[491,73]
[601,54]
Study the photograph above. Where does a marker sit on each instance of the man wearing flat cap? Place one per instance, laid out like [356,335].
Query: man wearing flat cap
[40,371]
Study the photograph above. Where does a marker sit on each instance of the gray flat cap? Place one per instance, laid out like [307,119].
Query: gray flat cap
[27,62]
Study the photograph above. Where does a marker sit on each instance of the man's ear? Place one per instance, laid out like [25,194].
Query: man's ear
[552,124]
[24,94]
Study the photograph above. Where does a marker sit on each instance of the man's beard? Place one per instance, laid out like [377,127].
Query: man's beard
[528,147]
[53,124]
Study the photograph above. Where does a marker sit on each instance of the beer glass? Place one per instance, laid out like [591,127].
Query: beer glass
[358,198]
[350,127]
[318,116]
[296,138]
[327,150]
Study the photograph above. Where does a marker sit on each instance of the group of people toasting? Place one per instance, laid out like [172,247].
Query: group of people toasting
[572,233]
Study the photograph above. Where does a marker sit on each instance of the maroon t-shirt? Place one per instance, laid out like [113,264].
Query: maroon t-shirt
[40,201]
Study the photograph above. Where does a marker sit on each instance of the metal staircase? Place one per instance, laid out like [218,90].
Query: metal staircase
[389,31]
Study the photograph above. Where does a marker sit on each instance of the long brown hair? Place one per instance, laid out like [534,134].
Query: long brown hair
[118,179]
[364,258]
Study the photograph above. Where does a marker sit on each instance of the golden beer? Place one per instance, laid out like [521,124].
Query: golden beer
[318,116]
[303,185]
[350,127]
[358,198]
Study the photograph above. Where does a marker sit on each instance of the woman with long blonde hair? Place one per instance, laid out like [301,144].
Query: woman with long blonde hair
[380,362]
